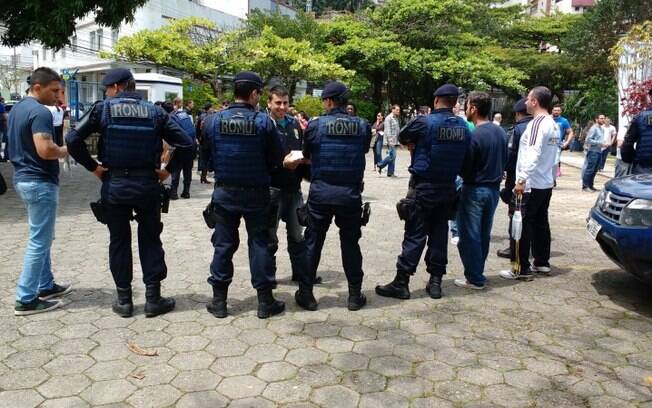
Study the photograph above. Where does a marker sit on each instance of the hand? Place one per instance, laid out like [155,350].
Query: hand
[162,175]
[411,146]
[290,163]
[564,146]
[519,189]
[99,171]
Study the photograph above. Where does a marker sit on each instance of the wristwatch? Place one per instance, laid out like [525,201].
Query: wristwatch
[520,181]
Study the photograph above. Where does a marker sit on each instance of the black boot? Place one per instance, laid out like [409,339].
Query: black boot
[398,288]
[123,305]
[267,305]
[434,286]
[155,304]
[305,298]
[356,298]
[217,307]
[186,191]
[504,253]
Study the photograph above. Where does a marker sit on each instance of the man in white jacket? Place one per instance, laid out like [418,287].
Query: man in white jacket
[534,182]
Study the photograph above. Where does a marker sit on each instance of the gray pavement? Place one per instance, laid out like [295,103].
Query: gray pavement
[579,338]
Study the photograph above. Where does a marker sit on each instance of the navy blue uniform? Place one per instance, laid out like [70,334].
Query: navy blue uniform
[244,148]
[336,143]
[639,134]
[512,156]
[130,146]
[441,141]
[184,120]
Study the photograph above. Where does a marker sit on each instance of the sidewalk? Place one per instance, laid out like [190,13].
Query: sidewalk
[576,159]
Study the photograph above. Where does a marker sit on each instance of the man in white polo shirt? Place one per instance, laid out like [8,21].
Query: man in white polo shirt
[534,182]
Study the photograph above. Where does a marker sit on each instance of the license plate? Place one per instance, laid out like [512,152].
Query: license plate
[593,227]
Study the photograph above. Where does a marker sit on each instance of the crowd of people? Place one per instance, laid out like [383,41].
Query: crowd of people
[459,158]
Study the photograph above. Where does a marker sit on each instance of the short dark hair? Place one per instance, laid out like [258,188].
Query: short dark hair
[129,84]
[481,101]
[448,100]
[543,96]
[278,90]
[187,102]
[243,89]
[339,100]
[44,76]
[167,106]
[556,106]
[355,108]
[423,110]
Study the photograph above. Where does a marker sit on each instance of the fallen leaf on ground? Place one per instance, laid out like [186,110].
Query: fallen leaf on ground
[135,348]
[648,381]
[138,375]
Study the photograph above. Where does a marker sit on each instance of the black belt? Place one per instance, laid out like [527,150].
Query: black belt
[240,188]
[113,172]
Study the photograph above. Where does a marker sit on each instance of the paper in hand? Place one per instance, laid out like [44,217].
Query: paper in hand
[296,155]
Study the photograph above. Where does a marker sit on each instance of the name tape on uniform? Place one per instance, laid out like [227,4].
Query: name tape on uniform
[129,110]
[451,134]
[649,120]
[237,126]
[343,127]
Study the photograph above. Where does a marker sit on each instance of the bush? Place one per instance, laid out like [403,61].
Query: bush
[309,104]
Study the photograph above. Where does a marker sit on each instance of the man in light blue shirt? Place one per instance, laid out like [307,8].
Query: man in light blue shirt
[594,144]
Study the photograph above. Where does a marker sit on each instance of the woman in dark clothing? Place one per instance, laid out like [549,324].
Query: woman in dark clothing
[378,130]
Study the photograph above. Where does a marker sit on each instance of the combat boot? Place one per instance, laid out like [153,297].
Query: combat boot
[155,304]
[123,305]
[305,298]
[398,288]
[434,286]
[356,298]
[186,191]
[267,305]
[217,307]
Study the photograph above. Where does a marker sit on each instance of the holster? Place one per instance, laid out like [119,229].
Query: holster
[272,211]
[99,211]
[211,218]
[303,215]
[165,198]
[366,214]
[407,208]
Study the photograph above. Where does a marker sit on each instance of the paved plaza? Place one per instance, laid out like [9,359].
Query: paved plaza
[579,338]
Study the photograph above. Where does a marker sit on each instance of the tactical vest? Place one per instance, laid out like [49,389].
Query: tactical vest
[129,137]
[439,156]
[185,122]
[340,157]
[238,145]
[644,145]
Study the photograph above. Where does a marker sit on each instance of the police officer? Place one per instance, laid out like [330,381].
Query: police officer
[245,149]
[336,143]
[506,194]
[130,148]
[439,142]
[184,119]
[637,147]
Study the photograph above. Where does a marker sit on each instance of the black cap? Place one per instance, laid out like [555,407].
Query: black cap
[334,89]
[116,76]
[249,76]
[520,106]
[208,105]
[447,90]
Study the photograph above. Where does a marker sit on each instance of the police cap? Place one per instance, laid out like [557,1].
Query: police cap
[250,77]
[333,90]
[447,90]
[116,76]
[519,106]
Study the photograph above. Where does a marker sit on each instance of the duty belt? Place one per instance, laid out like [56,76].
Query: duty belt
[131,172]
[240,188]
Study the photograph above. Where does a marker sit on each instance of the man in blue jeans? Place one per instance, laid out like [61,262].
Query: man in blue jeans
[35,158]
[594,143]
[482,173]
[392,128]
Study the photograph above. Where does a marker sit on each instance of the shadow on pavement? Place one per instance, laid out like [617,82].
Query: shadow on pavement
[624,289]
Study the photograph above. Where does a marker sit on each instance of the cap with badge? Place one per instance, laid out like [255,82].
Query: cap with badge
[116,76]
[520,106]
[250,77]
[447,90]
[334,89]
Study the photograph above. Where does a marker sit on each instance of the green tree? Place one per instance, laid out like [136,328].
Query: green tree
[597,95]
[52,23]
[311,105]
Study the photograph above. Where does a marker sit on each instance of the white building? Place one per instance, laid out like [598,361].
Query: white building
[89,39]
[547,7]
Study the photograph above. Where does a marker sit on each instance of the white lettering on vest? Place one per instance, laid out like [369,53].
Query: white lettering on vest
[447,134]
[237,127]
[342,127]
[129,110]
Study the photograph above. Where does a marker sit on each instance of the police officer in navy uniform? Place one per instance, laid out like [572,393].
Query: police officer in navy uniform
[130,145]
[336,144]
[506,194]
[439,142]
[637,147]
[244,148]
[184,119]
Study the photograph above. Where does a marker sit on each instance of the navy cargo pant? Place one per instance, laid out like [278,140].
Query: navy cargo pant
[284,204]
[347,218]
[122,196]
[232,204]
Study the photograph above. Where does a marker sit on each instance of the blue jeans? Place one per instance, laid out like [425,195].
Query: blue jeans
[41,199]
[475,218]
[453,223]
[603,158]
[389,161]
[591,163]
[378,150]
[285,205]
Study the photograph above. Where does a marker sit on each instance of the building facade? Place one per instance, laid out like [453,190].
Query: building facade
[548,7]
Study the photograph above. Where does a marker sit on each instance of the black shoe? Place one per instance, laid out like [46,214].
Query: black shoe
[434,286]
[398,288]
[217,306]
[316,281]
[174,196]
[357,299]
[267,305]
[123,305]
[35,306]
[305,298]
[155,304]
[185,194]
[504,253]
[204,181]
[55,292]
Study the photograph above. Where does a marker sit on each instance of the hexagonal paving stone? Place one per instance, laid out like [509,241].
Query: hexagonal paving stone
[305,356]
[480,376]
[349,361]
[364,381]
[413,352]
[252,403]
[28,343]
[154,397]
[546,367]
[151,338]
[257,336]
[335,396]
[110,370]
[37,328]
[374,348]
[184,329]
[265,353]
[608,402]
[285,326]
[154,374]
[107,392]
[75,331]
[319,330]
[526,380]
[24,378]
[435,371]
[241,387]
[456,357]
[108,352]
[65,386]
[383,399]
[457,391]
[334,344]
[204,399]
[226,348]
[68,402]
[358,333]
[20,399]
[292,341]
[287,391]
[409,387]
[73,346]
[188,343]
[233,366]
[319,375]
[430,402]
[390,366]
[508,396]
[69,364]
[28,359]
[192,360]
[196,380]
[276,371]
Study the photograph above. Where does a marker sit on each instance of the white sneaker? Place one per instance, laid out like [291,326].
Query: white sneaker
[455,240]
[463,283]
[544,270]
[508,274]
